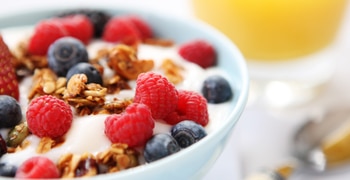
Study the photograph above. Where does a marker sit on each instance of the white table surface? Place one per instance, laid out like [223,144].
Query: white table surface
[262,136]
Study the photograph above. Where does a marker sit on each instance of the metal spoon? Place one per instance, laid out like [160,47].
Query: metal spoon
[320,144]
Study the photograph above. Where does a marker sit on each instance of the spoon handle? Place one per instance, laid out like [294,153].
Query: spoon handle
[281,173]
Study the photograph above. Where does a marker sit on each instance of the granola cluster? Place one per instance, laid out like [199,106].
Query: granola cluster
[90,98]
[117,157]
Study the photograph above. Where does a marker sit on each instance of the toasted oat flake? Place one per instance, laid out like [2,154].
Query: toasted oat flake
[45,145]
[172,71]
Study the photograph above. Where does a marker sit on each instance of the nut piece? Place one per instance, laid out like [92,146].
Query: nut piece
[123,59]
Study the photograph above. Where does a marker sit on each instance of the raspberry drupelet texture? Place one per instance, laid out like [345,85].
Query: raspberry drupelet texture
[191,106]
[155,91]
[48,116]
[198,51]
[45,33]
[78,26]
[37,167]
[133,127]
[121,30]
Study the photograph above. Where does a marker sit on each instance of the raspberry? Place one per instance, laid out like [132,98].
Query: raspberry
[141,25]
[37,167]
[155,91]
[122,30]
[191,106]
[97,17]
[45,33]
[48,116]
[78,26]
[199,52]
[133,127]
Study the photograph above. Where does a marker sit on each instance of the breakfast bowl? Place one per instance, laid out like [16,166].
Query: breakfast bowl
[194,161]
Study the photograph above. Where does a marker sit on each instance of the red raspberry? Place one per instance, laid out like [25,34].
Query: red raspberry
[48,116]
[155,91]
[45,33]
[8,78]
[141,25]
[191,106]
[133,127]
[120,29]
[199,52]
[37,167]
[78,26]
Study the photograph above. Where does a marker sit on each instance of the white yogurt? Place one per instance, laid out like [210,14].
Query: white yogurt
[87,133]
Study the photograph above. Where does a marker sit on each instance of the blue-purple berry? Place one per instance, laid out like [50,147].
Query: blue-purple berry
[10,112]
[89,70]
[7,170]
[187,132]
[65,53]
[216,89]
[160,146]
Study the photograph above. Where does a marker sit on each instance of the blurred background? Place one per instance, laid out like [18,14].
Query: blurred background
[262,138]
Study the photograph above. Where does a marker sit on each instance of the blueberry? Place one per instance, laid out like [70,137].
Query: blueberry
[10,112]
[187,133]
[216,89]
[89,70]
[98,18]
[160,146]
[7,170]
[65,53]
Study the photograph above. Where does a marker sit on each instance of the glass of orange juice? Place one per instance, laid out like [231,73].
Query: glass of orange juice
[287,43]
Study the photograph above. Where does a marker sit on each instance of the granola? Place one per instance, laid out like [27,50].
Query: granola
[115,158]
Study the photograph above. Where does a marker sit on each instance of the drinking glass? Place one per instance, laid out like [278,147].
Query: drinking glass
[288,44]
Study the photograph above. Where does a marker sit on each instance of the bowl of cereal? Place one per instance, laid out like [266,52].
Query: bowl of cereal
[115,93]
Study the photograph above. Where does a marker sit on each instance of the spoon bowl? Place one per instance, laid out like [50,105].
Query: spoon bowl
[320,144]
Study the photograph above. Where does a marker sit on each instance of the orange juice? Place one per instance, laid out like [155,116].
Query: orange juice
[274,29]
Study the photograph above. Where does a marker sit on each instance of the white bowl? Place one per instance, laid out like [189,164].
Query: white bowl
[194,161]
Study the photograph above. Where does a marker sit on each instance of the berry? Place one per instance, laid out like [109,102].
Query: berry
[121,30]
[92,74]
[216,89]
[187,132]
[7,170]
[10,112]
[77,26]
[199,52]
[155,91]
[48,116]
[144,29]
[8,79]
[45,33]
[3,147]
[133,127]
[191,105]
[65,53]
[160,146]
[96,17]
[37,167]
